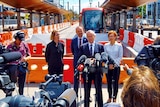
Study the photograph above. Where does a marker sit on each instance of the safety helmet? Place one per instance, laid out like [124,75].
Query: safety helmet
[19,35]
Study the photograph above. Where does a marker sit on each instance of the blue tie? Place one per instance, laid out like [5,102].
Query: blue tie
[91,49]
[79,42]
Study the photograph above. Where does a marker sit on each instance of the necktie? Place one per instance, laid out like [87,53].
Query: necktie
[79,42]
[91,49]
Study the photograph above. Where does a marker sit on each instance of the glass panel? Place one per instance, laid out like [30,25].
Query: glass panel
[93,20]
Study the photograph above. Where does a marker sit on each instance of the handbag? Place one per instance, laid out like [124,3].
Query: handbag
[23,67]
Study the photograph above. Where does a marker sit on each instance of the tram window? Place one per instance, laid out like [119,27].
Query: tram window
[93,19]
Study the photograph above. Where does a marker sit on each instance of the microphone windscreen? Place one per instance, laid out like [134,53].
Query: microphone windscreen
[98,56]
[104,56]
[80,67]
[11,56]
[87,62]
[82,59]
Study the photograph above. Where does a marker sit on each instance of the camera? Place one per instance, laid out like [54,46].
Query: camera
[150,56]
[8,76]
[42,97]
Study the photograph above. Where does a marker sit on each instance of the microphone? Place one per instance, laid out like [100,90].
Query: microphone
[98,58]
[66,99]
[81,59]
[104,57]
[80,62]
[80,67]
[9,57]
[104,62]
[87,63]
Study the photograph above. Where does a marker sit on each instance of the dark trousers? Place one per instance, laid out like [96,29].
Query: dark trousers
[21,82]
[97,78]
[14,73]
[112,80]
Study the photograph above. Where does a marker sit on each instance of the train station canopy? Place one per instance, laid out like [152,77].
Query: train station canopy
[36,5]
[118,5]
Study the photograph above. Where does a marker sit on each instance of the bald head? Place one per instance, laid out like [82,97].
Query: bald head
[79,31]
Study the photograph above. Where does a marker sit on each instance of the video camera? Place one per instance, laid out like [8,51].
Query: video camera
[42,97]
[150,56]
[8,77]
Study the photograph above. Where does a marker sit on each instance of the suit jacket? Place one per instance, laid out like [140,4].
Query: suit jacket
[75,48]
[84,50]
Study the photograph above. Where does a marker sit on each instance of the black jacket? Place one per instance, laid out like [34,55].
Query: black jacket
[54,57]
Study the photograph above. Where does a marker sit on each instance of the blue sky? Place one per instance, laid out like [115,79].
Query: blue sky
[84,3]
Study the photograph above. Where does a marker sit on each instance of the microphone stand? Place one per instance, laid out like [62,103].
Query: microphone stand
[80,85]
[86,88]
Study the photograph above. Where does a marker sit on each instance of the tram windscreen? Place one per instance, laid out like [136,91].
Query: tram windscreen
[93,20]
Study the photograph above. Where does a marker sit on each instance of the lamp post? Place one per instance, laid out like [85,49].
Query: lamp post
[79,6]
[90,1]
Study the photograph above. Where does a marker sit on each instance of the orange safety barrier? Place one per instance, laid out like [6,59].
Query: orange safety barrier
[49,29]
[38,69]
[43,29]
[6,38]
[52,26]
[147,41]
[31,48]
[121,34]
[35,30]
[39,49]
[26,33]
[131,39]
[68,45]
[1,40]
[123,74]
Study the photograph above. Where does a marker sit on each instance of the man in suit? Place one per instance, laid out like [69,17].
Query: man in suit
[90,49]
[77,41]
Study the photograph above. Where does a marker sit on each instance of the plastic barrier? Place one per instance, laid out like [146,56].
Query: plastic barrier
[123,73]
[139,42]
[131,39]
[134,40]
[148,41]
[125,39]
[38,69]
[68,46]
[121,34]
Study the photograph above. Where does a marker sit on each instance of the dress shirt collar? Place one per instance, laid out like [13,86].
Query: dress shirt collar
[91,43]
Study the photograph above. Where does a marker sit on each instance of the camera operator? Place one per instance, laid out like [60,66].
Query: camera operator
[22,47]
[150,56]
[90,49]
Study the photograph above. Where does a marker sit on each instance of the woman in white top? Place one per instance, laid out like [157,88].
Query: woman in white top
[115,51]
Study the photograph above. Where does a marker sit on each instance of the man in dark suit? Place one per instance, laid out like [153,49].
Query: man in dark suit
[90,49]
[77,41]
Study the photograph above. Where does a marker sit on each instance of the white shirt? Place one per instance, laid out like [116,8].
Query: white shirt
[115,51]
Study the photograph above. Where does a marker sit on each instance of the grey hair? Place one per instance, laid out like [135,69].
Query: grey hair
[91,31]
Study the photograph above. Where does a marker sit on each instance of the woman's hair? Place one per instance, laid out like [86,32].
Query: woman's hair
[53,34]
[141,89]
[112,32]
